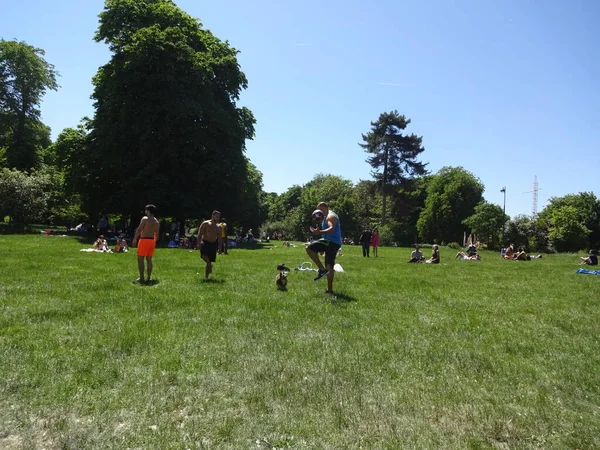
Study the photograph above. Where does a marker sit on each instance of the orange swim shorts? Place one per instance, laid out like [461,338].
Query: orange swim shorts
[146,246]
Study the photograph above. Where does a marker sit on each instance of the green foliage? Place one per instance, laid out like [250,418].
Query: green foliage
[452,195]
[25,76]
[517,231]
[250,211]
[393,154]
[367,203]
[487,223]
[566,232]
[24,197]
[586,211]
[67,155]
[290,213]
[166,116]
[386,235]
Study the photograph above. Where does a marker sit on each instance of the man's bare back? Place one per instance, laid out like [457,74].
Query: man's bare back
[148,228]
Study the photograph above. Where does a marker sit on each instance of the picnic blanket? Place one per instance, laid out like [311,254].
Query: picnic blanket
[589,272]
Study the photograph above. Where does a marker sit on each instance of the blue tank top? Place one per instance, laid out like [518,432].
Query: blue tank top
[336,236]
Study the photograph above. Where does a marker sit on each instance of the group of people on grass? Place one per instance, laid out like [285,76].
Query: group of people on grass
[369,239]
[211,232]
[101,245]
[416,255]
[211,235]
[509,253]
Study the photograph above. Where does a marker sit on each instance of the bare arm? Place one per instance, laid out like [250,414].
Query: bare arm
[331,221]
[201,232]
[139,229]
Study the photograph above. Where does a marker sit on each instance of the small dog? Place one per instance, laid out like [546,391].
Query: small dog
[281,278]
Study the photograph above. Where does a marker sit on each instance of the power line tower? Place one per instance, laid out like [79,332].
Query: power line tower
[535,190]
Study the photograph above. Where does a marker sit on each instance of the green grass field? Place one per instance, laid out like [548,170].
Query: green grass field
[490,354]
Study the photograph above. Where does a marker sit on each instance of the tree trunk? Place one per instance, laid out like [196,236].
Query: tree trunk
[384,187]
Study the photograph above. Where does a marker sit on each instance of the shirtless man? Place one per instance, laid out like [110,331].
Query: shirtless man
[208,237]
[147,233]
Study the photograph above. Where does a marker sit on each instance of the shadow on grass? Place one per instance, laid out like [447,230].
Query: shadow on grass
[212,280]
[146,283]
[255,246]
[338,298]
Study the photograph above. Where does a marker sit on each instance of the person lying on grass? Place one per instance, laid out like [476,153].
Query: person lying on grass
[464,257]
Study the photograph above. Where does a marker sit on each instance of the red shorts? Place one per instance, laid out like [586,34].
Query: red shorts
[146,246]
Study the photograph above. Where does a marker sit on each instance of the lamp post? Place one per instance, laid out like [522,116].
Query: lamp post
[503,190]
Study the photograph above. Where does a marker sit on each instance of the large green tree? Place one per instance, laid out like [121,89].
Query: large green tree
[250,211]
[452,195]
[586,212]
[25,76]
[566,232]
[486,223]
[518,231]
[167,128]
[67,154]
[393,154]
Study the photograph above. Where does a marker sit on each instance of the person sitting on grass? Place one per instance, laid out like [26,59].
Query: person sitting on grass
[121,246]
[591,259]
[464,257]
[435,255]
[416,256]
[521,255]
[510,252]
[100,245]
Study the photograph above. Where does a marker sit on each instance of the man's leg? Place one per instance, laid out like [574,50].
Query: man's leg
[315,257]
[208,268]
[225,244]
[141,268]
[149,261]
[330,275]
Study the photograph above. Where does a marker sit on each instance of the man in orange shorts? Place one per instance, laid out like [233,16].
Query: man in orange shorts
[147,233]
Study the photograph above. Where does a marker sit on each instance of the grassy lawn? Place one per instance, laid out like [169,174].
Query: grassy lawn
[488,354]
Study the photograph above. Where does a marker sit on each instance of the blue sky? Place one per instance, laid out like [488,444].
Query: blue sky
[508,90]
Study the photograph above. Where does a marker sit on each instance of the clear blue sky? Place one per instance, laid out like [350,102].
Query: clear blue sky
[507,90]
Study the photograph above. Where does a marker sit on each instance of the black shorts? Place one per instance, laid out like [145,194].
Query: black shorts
[209,249]
[330,249]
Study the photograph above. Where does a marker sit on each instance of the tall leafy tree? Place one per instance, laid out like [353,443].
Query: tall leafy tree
[167,128]
[250,210]
[566,231]
[393,154]
[67,155]
[518,231]
[487,222]
[587,213]
[367,201]
[452,195]
[25,76]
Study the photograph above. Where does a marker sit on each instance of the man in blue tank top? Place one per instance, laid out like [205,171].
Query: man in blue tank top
[329,242]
